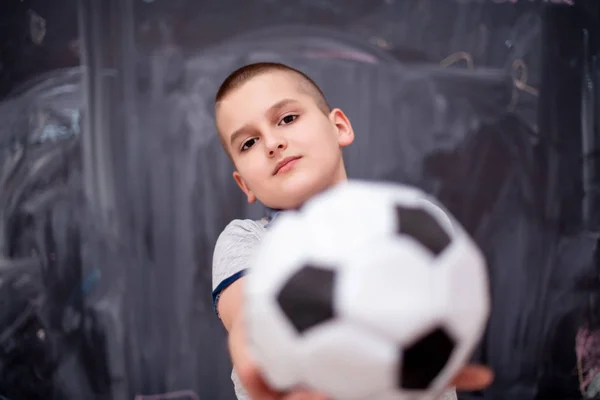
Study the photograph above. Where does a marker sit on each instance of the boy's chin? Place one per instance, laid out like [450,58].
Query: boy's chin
[296,192]
[291,201]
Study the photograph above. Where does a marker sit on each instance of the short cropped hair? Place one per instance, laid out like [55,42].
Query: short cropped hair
[242,75]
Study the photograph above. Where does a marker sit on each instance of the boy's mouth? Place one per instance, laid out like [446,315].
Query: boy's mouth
[285,164]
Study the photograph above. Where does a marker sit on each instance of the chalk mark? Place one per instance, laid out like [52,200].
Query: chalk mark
[455,57]
[519,71]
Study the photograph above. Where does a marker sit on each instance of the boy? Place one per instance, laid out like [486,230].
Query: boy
[285,142]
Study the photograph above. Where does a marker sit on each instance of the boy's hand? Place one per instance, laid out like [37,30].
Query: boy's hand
[304,395]
[473,377]
[250,375]
[246,370]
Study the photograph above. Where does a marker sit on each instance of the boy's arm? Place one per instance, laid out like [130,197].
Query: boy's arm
[230,259]
[230,310]
[230,304]
[233,249]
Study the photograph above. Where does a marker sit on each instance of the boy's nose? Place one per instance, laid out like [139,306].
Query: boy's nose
[279,148]
[275,145]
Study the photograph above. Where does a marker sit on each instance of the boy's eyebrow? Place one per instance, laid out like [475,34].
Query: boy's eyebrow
[274,109]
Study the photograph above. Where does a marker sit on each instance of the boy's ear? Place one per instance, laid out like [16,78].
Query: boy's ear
[242,184]
[345,132]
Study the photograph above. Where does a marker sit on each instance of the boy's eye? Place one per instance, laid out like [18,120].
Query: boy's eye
[248,143]
[288,119]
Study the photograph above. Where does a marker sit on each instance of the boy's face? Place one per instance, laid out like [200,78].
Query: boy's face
[284,147]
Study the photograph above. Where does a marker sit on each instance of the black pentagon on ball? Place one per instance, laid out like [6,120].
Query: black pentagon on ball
[307,297]
[422,362]
[422,227]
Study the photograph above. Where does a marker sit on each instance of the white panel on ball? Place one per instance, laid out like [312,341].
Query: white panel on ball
[350,210]
[336,350]
[466,311]
[390,289]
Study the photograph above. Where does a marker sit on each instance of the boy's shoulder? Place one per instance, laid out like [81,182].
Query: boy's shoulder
[235,245]
[243,228]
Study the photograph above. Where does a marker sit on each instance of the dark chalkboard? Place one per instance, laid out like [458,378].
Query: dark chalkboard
[113,187]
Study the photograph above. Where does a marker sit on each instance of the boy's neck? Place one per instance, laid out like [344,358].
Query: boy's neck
[271,212]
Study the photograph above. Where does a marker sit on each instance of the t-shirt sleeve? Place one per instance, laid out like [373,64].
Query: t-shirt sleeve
[449,394]
[233,250]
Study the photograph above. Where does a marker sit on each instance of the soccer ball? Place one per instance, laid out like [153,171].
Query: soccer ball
[370,291]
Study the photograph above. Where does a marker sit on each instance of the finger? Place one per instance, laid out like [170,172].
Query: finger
[473,377]
[304,395]
[245,368]
[255,385]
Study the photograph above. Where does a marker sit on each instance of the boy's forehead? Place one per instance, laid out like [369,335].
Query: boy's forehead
[271,86]
[257,95]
